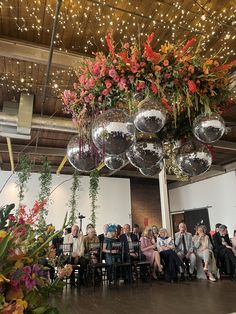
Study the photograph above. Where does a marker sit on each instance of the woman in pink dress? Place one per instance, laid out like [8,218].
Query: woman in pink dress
[149,250]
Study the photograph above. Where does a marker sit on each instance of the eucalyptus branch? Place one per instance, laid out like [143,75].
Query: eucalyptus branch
[73,202]
[23,176]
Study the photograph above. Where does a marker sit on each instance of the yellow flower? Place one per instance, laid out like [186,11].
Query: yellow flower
[22,302]
[3,279]
[166,47]
[19,264]
[40,239]
[206,65]
[51,229]
[3,234]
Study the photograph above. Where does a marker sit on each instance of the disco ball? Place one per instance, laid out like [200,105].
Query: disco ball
[208,128]
[113,132]
[153,171]
[114,162]
[193,158]
[145,153]
[82,157]
[150,116]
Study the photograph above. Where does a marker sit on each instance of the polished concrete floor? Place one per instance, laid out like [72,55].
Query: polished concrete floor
[159,298]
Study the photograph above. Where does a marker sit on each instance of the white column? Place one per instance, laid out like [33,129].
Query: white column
[165,209]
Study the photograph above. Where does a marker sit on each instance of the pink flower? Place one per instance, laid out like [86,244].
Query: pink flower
[116,78]
[134,68]
[192,86]
[126,46]
[122,84]
[11,217]
[191,69]
[90,96]
[75,85]
[143,64]
[100,98]
[105,92]
[87,99]
[82,79]
[131,78]
[166,62]
[157,68]
[91,82]
[83,93]
[108,83]
[112,72]
[140,85]
[167,76]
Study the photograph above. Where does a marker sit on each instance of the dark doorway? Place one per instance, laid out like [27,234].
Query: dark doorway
[196,216]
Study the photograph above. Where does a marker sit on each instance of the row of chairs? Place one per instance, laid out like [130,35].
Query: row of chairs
[100,271]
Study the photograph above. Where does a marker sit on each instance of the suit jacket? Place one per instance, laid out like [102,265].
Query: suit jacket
[124,241]
[188,241]
[217,239]
[78,243]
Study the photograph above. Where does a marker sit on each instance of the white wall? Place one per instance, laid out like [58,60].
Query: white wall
[114,203]
[218,192]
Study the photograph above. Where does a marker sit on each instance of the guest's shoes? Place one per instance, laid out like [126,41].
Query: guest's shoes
[211,277]
[154,276]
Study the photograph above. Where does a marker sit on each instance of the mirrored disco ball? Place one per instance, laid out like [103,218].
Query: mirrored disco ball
[145,153]
[153,171]
[150,116]
[114,162]
[208,128]
[113,132]
[82,157]
[193,158]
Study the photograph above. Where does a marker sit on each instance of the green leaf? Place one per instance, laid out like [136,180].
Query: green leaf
[3,244]
[40,310]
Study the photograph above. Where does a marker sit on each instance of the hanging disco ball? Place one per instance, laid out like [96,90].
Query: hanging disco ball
[113,132]
[145,153]
[208,128]
[153,171]
[114,162]
[150,116]
[83,157]
[193,158]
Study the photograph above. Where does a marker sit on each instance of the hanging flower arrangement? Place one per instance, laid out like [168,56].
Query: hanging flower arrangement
[160,90]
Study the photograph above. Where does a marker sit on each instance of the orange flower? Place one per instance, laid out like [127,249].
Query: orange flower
[206,65]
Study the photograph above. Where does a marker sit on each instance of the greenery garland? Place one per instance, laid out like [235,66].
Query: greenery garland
[73,202]
[45,180]
[93,193]
[23,176]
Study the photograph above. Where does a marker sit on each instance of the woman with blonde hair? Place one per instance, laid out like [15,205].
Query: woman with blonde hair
[203,249]
[150,252]
[166,247]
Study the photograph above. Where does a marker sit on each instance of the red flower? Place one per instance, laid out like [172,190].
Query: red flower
[150,37]
[166,63]
[108,83]
[165,103]
[11,217]
[192,86]
[150,54]
[154,88]
[110,44]
[189,44]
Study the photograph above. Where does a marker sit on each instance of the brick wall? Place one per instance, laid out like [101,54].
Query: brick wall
[145,202]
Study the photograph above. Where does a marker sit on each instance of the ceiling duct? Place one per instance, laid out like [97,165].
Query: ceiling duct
[23,111]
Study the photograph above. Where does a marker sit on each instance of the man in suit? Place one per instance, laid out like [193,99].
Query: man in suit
[126,239]
[136,231]
[184,248]
[75,239]
[224,250]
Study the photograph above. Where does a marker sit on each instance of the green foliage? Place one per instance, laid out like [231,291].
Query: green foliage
[4,212]
[93,193]
[73,202]
[45,180]
[23,176]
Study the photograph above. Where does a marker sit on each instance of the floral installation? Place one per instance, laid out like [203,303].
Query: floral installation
[183,81]
[25,285]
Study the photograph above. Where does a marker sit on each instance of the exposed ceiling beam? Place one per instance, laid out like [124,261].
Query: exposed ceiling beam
[47,151]
[226,145]
[38,168]
[10,154]
[38,54]
[64,160]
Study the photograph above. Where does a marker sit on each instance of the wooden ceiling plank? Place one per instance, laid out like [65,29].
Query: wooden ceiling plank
[49,151]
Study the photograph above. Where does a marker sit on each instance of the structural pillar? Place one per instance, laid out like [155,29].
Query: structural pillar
[165,209]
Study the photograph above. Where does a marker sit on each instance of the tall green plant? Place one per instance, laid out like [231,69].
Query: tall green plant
[93,194]
[23,176]
[73,202]
[45,181]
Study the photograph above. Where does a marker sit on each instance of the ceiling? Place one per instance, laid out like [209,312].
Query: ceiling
[25,37]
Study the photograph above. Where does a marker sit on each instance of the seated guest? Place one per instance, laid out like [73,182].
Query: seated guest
[136,231]
[184,247]
[126,239]
[216,230]
[91,243]
[234,242]
[77,255]
[119,230]
[89,226]
[155,234]
[150,252]
[203,249]
[112,253]
[166,247]
[224,251]
[101,238]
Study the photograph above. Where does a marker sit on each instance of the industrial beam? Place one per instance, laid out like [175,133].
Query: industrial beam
[64,160]
[38,54]
[10,154]
[225,145]
[41,151]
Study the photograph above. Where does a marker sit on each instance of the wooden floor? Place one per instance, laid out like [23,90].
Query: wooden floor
[161,298]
